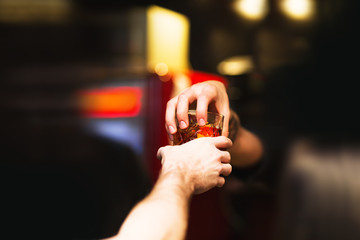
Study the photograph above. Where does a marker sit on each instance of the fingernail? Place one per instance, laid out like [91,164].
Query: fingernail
[171,129]
[182,124]
[201,122]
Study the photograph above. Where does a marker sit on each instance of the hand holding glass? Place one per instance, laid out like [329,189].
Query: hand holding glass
[212,128]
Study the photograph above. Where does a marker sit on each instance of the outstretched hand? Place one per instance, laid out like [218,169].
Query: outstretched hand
[201,163]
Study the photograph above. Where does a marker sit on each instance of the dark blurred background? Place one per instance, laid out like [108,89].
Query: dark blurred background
[291,66]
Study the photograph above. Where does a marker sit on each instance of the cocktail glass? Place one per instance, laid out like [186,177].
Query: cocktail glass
[212,128]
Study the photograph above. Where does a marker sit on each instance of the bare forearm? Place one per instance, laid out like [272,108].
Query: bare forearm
[247,148]
[161,215]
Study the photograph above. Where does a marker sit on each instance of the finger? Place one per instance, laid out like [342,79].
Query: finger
[170,121]
[182,109]
[220,181]
[221,142]
[226,157]
[226,169]
[170,136]
[201,110]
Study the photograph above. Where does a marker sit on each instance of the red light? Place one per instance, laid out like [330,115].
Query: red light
[111,102]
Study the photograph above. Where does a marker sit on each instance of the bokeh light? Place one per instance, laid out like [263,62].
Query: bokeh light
[298,9]
[251,9]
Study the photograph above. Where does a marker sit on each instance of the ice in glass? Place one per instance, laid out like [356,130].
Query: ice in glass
[212,128]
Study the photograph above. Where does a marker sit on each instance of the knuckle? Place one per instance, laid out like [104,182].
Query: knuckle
[183,97]
[218,168]
[217,155]
[171,102]
[209,89]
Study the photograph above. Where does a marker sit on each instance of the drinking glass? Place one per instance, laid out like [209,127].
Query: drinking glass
[212,128]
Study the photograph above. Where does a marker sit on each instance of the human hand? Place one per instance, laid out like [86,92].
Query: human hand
[200,163]
[209,95]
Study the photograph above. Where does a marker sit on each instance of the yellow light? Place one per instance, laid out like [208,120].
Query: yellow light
[168,39]
[236,65]
[298,9]
[252,9]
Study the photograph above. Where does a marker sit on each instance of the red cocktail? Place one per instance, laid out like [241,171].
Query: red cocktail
[212,128]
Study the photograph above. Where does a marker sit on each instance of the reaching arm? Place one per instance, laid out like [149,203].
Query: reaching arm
[162,214]
[191,168]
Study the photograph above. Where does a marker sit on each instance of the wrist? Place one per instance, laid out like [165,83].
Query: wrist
[174,181]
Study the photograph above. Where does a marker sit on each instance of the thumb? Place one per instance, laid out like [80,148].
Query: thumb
[160,153]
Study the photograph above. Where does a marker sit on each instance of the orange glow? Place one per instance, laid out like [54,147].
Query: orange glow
[111,102]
